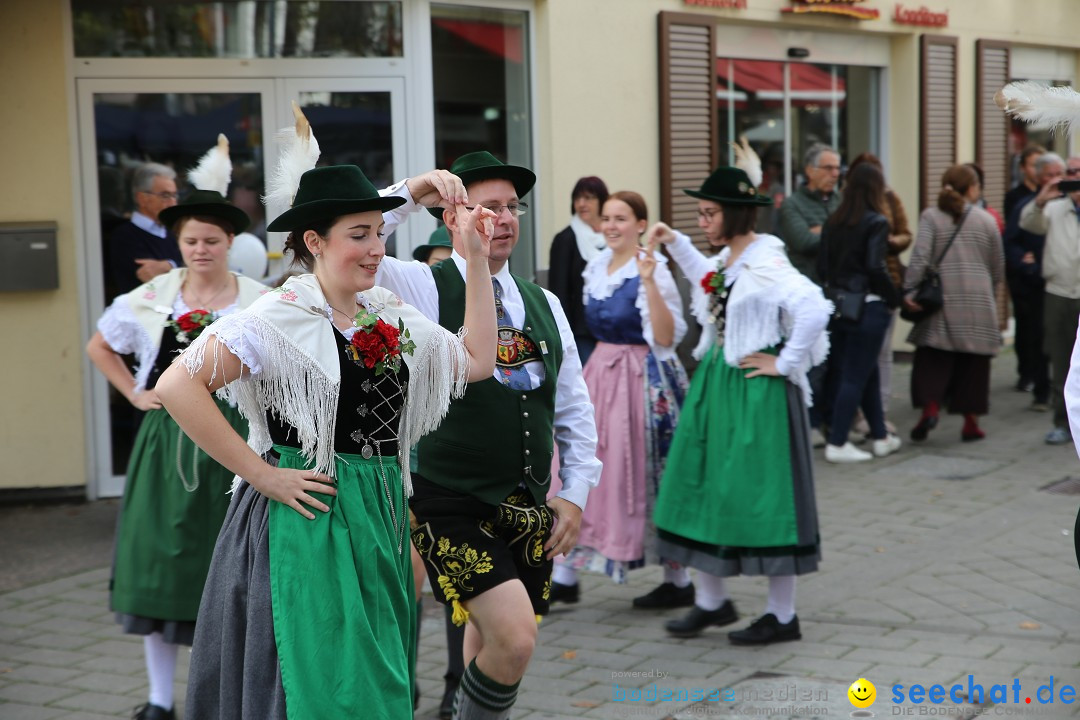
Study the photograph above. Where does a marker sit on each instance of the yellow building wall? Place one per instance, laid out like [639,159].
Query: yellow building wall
[597,71]
[41,384]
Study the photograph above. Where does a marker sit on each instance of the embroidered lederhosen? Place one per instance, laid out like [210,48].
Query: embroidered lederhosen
[470,546]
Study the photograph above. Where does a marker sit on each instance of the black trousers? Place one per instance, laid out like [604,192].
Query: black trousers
[1032,361]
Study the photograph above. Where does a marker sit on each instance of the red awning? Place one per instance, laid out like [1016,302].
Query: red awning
[765,79]
[495,38]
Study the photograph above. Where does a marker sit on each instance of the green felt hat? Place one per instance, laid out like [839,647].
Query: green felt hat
[330,192]
[206,203]
[439,238]
[482,165]
[729,186]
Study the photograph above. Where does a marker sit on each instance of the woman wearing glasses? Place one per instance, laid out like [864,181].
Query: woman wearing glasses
[174,495]
[637,385]
[737,497]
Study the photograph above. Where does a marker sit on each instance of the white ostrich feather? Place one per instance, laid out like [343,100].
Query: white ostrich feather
[214,171]
[299,153]
[747,160]
[1040,105]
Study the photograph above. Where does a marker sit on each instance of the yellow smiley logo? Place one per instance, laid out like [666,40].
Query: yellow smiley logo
[862,693]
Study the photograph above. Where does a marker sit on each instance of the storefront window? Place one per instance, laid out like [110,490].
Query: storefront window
[237,29]
[481,80]
[783,108]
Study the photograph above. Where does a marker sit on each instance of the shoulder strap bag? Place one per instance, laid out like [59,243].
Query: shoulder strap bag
[928,292]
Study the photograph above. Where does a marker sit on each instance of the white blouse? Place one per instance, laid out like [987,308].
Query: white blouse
[600,286]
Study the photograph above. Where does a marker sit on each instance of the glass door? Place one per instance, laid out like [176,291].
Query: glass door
[123,124]
[354,122]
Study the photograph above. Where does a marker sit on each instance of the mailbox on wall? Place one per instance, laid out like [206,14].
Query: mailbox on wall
[28,256]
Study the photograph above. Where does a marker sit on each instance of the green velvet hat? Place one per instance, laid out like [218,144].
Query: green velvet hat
[206,203]
[439,238]
[729,186]
[330,192]
[482,165]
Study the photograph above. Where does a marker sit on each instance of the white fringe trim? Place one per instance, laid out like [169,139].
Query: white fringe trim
[292,385]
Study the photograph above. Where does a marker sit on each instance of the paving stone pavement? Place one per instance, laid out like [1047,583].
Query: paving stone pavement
[942,561]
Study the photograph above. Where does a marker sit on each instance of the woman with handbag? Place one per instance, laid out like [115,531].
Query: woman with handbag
[956,263]
[854,245]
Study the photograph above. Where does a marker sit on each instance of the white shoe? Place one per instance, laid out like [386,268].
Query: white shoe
[847,453]
[887,446]
[817,440]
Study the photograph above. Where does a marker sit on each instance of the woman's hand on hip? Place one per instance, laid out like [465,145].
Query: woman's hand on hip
[291,487]
[760,364]
[146,400]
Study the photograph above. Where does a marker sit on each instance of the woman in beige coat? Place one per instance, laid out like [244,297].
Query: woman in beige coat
[954,345]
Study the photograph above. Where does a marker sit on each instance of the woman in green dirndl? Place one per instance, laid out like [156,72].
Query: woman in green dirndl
[737,496]
[175,495]
[308,610]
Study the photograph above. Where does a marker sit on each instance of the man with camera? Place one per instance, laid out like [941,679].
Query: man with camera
[1055,212]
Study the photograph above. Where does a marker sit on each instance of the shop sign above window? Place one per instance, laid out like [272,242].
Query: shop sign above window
[848,8]
[923,16]
[731,4]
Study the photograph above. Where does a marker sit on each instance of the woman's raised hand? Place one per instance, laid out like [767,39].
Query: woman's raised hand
[646,261]
[438,187]
[475,227]
[292,487]
[660,233]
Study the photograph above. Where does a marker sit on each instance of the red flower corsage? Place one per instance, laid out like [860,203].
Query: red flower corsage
[377,344]
[713,282]
[190,325]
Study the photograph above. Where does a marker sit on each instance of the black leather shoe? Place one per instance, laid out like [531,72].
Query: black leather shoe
[563,593]
[446,707]
[666,596]
[153,712]
[765,630]
[697,620]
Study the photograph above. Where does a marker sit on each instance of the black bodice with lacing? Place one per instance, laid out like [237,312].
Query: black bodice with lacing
[368,413]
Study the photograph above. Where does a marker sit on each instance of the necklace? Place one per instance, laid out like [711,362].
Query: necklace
[344,314]
[206,303]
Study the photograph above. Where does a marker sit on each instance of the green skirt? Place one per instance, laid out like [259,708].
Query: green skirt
[342,595]
[175,500]
[728,479]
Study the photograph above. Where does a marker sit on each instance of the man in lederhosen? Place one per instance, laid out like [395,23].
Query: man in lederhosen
[482,525]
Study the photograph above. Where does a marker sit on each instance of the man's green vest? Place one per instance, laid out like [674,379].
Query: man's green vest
[494,438]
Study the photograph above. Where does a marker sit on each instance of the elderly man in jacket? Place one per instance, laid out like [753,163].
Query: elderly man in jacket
[803,214]
[1057,215]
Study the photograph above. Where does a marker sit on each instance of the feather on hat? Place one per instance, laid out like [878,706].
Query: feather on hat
[299,153]
[211,178]
[1041,106]
[214,171]
[747,160]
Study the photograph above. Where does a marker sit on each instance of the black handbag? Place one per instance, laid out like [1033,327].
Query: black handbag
[847,304]
[928,293]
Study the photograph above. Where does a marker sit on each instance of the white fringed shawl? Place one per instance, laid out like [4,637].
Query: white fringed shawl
[759,309]
[300,377]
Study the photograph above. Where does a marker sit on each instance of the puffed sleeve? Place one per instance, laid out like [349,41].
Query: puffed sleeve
[669,291]
[120,328]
